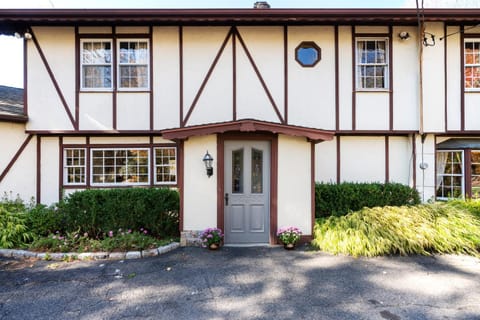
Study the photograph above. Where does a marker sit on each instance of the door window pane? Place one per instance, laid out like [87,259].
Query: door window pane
[449,174]
[237,171]
[257,171]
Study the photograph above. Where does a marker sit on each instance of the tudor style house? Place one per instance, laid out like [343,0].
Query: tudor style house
[271,100]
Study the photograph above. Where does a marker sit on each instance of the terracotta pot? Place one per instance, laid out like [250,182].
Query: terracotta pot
[213,246]
[289,246]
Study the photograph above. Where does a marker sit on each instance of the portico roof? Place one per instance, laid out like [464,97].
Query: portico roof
[250,126]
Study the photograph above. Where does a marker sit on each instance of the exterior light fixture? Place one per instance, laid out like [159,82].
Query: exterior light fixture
[208,160]
[404,35]
[26,35]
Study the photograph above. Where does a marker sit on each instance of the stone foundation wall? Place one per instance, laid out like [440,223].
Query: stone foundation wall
[190,238]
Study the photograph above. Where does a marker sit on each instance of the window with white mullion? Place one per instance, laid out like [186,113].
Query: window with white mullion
[74,166]
[133,64]
[450,174]
[165,165]
[372,63]
[472,64]
[96,64]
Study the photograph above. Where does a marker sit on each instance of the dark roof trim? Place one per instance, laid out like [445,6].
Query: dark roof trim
[17,18]
[460,144]
[13,118]
[311,134]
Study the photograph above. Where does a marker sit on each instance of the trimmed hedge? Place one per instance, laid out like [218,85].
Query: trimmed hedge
[98,211]
[339,199]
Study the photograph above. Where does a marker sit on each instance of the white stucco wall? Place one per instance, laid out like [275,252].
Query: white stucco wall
[311,98]
[96,111]
[472,114]
[49,164]
[345,76]
[400,155]
[200,191]
[426,178]
[453,80]
[326,161]
[166,77]
[362,159]
[133,111]
[372,111]
[294,183]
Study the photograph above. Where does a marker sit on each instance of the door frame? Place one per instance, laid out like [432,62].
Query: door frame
[273,139]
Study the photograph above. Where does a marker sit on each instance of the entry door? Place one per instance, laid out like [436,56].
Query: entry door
[247,192]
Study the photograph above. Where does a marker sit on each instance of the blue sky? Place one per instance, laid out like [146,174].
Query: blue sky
[11,53]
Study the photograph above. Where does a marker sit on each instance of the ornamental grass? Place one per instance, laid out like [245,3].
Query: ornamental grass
[406,230]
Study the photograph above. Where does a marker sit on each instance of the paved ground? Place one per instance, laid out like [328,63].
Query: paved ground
[243,283]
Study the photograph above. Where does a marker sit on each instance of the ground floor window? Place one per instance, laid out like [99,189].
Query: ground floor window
[458,174]
[118,166]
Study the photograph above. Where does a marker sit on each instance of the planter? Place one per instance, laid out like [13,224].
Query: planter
[214,246]
[289,246]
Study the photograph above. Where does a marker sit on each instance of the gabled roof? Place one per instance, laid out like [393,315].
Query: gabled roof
[250,126]
[16,19]
[11,104]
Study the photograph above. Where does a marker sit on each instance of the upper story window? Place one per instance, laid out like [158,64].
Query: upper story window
[472,64]
[372,63]
[96,64]
[132,58]
[308,54]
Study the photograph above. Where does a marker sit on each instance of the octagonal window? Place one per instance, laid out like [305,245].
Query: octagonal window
[308,54]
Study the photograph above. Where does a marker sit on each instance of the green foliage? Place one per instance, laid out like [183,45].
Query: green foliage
[125,241]
[339,199]
[13,229]
[422,229]
[97,211]
[43,220]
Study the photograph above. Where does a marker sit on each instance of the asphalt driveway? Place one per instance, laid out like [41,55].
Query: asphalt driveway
[242,283]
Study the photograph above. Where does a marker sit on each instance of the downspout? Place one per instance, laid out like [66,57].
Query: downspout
[420,35]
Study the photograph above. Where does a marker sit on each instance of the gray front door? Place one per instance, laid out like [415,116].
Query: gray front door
[247,192]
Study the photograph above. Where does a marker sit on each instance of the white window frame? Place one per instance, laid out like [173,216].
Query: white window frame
[156,165]
[92,150]
[121,64]
[66,167]
[450,175]
[359,64]
[83,64]
[466,65]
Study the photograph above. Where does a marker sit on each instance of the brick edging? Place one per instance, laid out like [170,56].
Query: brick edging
[56,256]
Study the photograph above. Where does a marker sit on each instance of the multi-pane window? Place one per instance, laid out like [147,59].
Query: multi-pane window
[472,64]
[450,174]
[74,166]
[120,166]
[133,59]
[96,64]
[372,63]
[165,165]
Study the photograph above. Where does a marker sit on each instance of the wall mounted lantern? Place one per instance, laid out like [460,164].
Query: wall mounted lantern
[27,35]
[208,160]
[404,35]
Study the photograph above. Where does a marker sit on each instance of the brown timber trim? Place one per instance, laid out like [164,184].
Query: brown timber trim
[354,81]
[207,77]
[259,75]
[220,181]
[53,79]
[387,159]
[285,72]
[150,52]
[462,78]
[88,161]
[445,82]
[337,81]
[312,184]
[467,153]
[390,78]
[339,162]
[60,168]
[181,182]
[234,77]
[414,160]
[14,118]
[39,170]
[114,79]
[77,79]
[180,61]
[25,78]
[15,157]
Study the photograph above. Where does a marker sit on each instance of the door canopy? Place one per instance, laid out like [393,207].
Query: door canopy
[248,126]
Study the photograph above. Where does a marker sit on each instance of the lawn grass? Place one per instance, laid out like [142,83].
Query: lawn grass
[421,229]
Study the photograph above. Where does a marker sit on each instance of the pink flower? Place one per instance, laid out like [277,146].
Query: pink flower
[110,233]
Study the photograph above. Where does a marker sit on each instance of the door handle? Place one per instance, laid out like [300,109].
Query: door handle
[226,199]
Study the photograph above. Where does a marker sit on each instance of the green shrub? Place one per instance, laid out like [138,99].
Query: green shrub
[13,229]
[339,199]
[97,211]
[422,229]
[43,220]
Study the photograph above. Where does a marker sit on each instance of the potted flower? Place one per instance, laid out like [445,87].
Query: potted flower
[289,236]
[212,238]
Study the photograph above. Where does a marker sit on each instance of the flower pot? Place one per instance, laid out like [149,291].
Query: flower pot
[213,246]
[289,246]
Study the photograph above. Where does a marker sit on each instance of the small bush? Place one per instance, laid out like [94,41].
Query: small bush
[339,199]
[422,229]
[97,211]
[43,220]
[13,229]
